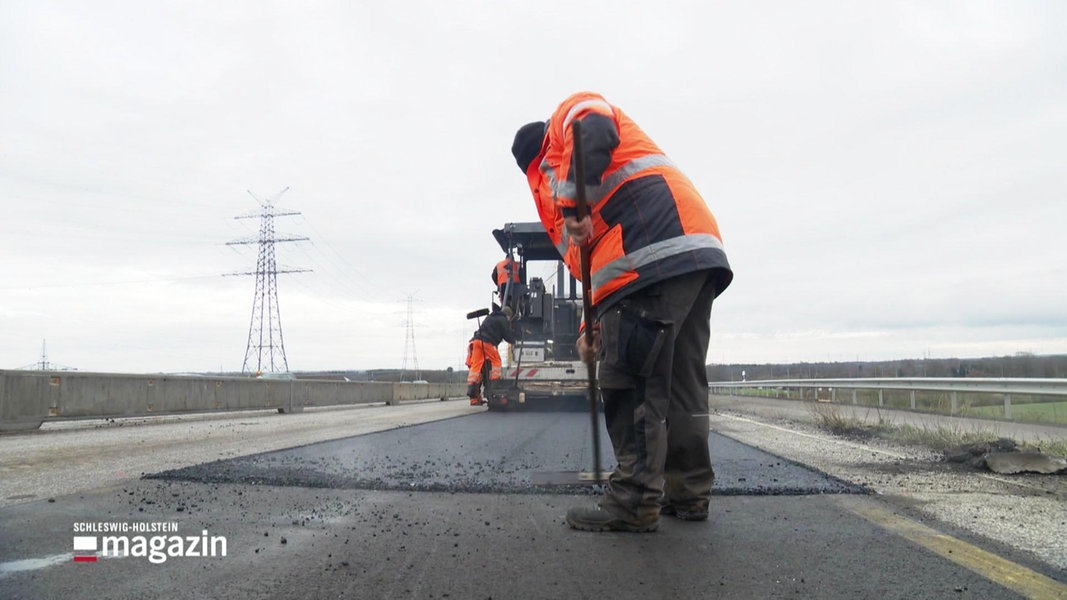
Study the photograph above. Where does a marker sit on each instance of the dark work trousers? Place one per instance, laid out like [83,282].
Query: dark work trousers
[654,382]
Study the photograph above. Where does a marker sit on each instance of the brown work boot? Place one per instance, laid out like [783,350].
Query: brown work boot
[594,518]
[477,402]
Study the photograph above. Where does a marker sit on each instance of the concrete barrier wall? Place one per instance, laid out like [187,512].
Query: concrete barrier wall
[28,398]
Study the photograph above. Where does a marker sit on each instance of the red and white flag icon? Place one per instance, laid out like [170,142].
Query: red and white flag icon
[85,548]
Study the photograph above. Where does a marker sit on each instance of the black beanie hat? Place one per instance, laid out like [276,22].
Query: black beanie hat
[527,143]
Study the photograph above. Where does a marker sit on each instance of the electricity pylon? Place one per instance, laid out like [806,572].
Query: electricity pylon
[266,347]
[44,365]
[409,342]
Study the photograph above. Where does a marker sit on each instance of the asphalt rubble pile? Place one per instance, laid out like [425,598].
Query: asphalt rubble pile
[1005,457]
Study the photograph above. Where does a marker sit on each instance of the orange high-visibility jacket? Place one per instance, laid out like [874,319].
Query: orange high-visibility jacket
[541,187]
[501,270]
[649,221]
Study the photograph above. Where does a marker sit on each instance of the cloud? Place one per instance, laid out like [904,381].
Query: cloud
[886,176]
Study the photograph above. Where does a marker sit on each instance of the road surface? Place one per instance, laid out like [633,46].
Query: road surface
[441,500]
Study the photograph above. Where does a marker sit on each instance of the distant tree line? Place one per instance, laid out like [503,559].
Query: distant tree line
[1018,365]
[391,375]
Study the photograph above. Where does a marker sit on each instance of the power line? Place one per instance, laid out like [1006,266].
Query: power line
[360,285]
[32,287]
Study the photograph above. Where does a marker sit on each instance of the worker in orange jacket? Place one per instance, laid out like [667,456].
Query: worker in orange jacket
[482,347]
[657,262]
[502,272]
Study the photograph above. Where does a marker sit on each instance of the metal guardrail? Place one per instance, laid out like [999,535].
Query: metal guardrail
[1005,387]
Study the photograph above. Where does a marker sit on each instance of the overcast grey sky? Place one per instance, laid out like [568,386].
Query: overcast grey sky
[888,176]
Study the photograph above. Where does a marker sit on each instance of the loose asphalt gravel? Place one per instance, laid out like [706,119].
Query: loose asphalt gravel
[1024,511]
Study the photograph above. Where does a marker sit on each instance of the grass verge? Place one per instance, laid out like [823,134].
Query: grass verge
[828,418]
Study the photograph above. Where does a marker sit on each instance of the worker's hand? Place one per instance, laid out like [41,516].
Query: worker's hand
[586,353]
[580,231]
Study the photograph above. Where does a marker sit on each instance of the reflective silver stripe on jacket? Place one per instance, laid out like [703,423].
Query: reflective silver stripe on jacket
[652,253]
[550,173]
[594,194]
[584,104]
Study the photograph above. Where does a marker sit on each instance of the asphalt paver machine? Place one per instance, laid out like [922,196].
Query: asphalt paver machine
[542,368]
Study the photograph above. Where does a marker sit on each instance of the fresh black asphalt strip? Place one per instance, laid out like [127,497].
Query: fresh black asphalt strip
[534,452]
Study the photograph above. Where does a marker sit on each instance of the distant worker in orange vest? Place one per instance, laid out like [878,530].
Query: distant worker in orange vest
[657,262]
[483,347]
[501,273]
